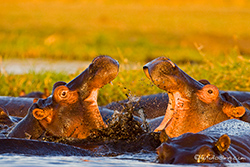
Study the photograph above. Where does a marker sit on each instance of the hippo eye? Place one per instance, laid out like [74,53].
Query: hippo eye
[63,94]
[210,91]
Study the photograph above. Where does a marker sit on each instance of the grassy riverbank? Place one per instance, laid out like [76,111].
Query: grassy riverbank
[232,74]
[208,40]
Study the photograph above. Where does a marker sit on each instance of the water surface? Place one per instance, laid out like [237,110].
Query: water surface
[20,66]
[37,161]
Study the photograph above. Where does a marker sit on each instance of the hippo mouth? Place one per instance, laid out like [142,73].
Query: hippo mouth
[100,72]
[74,104]
[161,72]
[164,74]
[193,106]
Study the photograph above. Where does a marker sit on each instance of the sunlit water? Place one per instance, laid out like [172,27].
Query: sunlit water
[142,160]
[122,160]
[20,66]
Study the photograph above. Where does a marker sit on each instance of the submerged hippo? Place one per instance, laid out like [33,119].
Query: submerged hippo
[153,105]
[226,142]
[193,106]
[156,105]
[71,110]
[37,94]
[16,106]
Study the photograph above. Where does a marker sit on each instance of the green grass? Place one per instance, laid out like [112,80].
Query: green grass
[208,40]
[139,30]
[228,75]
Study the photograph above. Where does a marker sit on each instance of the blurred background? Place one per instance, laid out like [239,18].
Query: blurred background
[208,39]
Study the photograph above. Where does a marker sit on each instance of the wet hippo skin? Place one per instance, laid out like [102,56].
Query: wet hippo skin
[153,105]
[156,105]
[71,110]
[193,106]
[216,144]
[16,106]
[148,103]
[40,148]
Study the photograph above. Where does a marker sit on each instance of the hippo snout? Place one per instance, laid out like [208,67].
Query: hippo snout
[166,153]
[101,71]
[158,68]
[42,103]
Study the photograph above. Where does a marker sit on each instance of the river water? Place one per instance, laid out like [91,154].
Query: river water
[20,66]
[72,161]
[11,160]
[142,159]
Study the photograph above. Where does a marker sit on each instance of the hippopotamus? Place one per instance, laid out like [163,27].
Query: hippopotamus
[40,148]
[71,110]
[226,142]
[16,106]
[193,106]
[153,105]
[36,94]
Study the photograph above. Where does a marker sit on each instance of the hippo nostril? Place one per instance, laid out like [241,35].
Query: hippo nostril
[171,161]
[145,67]
[173,65]
[97,58]
[40,103]
[35,100]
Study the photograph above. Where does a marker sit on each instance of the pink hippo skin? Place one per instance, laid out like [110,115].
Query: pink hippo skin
[193,106]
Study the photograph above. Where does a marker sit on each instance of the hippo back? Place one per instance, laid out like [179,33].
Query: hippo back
[225,142]
[232,127]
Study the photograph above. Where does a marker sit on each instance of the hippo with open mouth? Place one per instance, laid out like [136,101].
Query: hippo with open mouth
[71,110]
[193,106]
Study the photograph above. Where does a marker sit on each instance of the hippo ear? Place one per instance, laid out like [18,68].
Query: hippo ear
[40,114]
[233,112]
[223,143]
[232,107]
[208,93]
[204,81]
[246,104]
[163,136]
[59,83]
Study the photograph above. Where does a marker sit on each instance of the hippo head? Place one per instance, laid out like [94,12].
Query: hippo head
[193,106]
[195,148]
[71,110]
